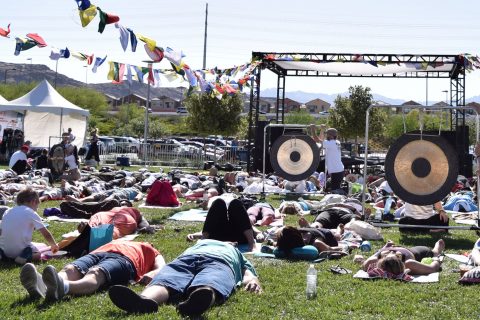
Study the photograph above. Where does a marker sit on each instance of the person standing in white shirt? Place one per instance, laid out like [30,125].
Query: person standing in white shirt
[17,227]
[333,154]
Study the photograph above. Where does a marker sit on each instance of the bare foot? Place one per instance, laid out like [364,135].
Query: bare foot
[439,247]
[389,243]
[341,228]
[302,222]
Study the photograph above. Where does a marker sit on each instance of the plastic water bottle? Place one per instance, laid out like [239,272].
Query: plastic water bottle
[378,214]
[311,282]
[365,246]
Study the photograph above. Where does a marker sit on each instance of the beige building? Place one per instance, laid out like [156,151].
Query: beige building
[317,106]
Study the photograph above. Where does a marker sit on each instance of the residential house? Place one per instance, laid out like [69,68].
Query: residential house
[112,101]
[474,105]
[164,104]
[134,98]
[317,106]
[408,103]
[291,105]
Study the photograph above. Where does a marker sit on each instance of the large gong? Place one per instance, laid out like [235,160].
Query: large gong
[421,170]
[294,157]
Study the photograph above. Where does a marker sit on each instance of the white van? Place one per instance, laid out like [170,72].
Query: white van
[182,110]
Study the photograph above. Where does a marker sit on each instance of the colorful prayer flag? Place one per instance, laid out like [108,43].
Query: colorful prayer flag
[87,15]
[106,18]
[5,33]
[98,62]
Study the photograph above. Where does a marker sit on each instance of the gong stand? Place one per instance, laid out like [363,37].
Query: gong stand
[304,153]
[421,168]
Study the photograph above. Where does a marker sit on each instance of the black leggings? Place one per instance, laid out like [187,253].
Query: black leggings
[432,221]
[421,252]
[227,224]
[20,166]
[85,210]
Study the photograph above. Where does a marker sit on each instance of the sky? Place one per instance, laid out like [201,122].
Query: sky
[237,28]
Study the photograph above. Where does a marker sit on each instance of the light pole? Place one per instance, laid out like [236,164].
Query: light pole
[446,96]
[86,75]
[6,70]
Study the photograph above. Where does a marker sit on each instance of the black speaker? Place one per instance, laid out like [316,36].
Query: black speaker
[273,133]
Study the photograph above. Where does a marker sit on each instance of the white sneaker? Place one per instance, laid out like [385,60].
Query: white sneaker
[55,288]
[32,281]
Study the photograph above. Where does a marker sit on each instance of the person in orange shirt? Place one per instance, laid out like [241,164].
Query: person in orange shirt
[117,262]
[126,220]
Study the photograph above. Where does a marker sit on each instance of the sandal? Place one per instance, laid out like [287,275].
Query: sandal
[331,255]
[339,270]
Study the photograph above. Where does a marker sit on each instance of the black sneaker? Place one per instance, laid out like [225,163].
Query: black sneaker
[199,301]
[55,288]
[25,256]
[32,281]
[128,300]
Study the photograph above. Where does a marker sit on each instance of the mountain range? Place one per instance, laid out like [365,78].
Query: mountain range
[37,72]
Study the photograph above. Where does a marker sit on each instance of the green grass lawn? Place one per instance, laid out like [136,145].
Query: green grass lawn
[339,296]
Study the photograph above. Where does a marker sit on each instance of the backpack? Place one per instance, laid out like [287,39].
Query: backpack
[162,194]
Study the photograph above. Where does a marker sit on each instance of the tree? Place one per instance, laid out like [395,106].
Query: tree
[209,115]
[299,117]
[348,116]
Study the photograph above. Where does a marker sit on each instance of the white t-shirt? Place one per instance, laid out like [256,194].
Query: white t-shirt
[418,212]
[333,156]
[17,155]
[17,227]
[70,160]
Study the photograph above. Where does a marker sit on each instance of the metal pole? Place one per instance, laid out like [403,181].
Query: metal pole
[365,160]
[6,70]
[86,75]
[426,90]
[205,39]
[56,72]
[147,107]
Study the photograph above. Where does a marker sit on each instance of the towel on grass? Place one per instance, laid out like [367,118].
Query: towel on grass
[433,277]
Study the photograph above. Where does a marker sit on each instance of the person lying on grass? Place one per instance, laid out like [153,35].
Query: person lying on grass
[117,262]
[290,237]
[409,257]
[227,223]
[204,275]
[17,226]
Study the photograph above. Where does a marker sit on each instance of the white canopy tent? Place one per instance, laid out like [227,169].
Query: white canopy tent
[48,114]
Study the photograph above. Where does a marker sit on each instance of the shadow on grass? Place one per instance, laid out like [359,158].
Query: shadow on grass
[429,239]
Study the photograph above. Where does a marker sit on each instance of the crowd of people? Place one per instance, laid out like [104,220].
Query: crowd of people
[209,272]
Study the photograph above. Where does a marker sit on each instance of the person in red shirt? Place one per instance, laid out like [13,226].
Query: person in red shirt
[117,262]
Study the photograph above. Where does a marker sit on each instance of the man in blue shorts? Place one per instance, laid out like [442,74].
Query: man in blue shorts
[117,262]
[205,274]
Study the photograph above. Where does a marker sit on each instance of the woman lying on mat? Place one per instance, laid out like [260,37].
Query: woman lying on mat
[290,237]
[398,260]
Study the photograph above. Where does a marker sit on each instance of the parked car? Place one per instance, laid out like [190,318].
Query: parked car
[127,144]
[107,144]
[182,110]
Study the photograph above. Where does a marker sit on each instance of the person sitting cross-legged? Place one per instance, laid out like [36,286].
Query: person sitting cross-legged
[203,275]
[117,262]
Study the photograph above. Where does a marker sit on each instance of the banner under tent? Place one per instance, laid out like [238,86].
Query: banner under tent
[47,115]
